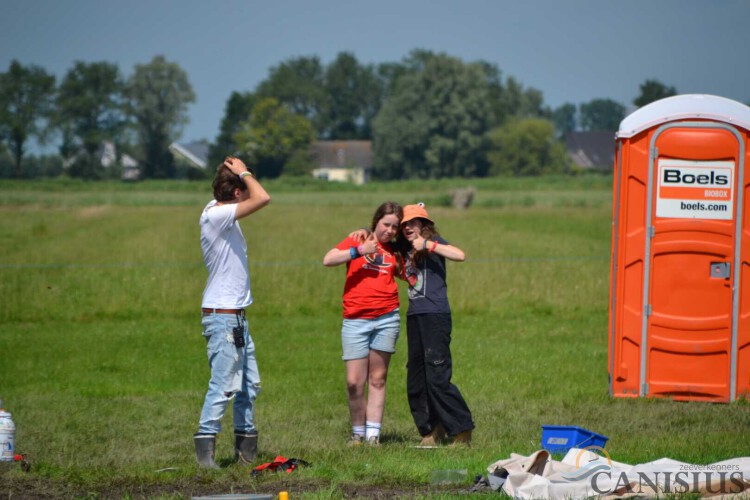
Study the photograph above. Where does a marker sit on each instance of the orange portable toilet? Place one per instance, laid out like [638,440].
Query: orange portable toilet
[680,272]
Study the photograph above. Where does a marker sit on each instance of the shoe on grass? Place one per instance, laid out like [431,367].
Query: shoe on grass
[462,439]
[356,440]
[435,437]
[373,441]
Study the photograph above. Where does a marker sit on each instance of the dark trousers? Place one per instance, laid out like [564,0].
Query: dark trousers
[433,399]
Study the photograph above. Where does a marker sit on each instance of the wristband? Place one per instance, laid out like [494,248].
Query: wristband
[245,173]
[353,252]
[434,245]
[424,244]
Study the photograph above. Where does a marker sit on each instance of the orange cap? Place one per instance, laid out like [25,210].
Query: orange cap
[415,212]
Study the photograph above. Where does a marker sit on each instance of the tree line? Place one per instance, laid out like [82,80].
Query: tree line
[429,115]
[141,114]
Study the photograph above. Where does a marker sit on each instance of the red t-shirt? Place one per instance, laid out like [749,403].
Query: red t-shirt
[370,289]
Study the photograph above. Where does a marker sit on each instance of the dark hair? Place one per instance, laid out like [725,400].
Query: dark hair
[428,232]
[225,182]
[387,208]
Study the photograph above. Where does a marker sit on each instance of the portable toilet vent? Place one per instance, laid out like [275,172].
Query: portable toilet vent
[680,271]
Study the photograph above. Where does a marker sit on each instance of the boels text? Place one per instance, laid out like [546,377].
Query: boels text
[674,176]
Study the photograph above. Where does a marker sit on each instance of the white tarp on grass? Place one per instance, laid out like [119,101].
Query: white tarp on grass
[584,474]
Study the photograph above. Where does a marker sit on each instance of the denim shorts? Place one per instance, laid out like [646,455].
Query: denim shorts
[359,336]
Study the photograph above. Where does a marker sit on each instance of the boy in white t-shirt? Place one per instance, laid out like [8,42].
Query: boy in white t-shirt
[231,352]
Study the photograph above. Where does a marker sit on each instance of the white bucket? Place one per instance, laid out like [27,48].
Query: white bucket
[7,437]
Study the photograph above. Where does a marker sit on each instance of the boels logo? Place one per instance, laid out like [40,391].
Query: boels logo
[693,189]
[678,177]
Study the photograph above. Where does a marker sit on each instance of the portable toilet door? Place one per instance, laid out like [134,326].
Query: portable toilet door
[680,275]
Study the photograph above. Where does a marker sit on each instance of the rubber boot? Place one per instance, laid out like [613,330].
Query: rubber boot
[245,447]
[205,449]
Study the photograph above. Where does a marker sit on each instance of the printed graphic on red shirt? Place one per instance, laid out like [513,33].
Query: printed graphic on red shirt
[370,289]
[377,262]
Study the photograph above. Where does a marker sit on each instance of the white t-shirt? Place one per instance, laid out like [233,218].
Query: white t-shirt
[225,254]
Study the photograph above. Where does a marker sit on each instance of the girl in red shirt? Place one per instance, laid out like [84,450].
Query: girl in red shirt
[371,323]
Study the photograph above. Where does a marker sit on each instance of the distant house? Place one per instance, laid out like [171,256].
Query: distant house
[193,154]
[344,161]
[108,157]
[593,150]
[131,171]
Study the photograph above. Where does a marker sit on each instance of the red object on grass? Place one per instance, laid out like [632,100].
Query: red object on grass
[280,463]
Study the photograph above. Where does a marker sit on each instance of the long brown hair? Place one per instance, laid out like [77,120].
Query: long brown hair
[428,232]
[388,208]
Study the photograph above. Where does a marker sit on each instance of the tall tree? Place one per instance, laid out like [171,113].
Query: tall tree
[388,74]
[236,111]
[526,147]
[340,99]
[601,114]
[298,83]
[434,123]
[26,97]
[418,59]
[564,119]
[354,93]
[158,94]
[653,90]
[89,110]
[516,101]
[272,135]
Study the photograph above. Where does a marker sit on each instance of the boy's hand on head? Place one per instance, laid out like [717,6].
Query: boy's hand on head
[236,165]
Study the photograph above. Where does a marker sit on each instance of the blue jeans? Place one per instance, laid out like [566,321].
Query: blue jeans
[234,374]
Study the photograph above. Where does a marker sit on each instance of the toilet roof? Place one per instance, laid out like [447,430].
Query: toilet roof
[685,107]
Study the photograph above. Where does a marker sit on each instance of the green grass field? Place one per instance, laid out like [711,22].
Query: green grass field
[103,366]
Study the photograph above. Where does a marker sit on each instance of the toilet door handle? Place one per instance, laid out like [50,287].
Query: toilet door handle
[721,269]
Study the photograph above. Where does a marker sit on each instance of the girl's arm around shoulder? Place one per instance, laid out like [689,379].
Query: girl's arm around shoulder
[450,252]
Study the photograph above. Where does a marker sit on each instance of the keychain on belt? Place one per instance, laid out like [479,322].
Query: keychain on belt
[238,332]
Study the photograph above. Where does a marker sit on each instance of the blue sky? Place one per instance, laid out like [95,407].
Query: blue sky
[573,51]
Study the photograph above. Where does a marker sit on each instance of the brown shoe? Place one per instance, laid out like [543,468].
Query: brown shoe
[436,435]
[462,439]
[356,440]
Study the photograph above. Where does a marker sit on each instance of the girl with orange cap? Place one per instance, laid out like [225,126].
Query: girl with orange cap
[436,404]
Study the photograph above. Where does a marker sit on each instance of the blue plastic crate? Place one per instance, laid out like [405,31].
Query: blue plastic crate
[561,438]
